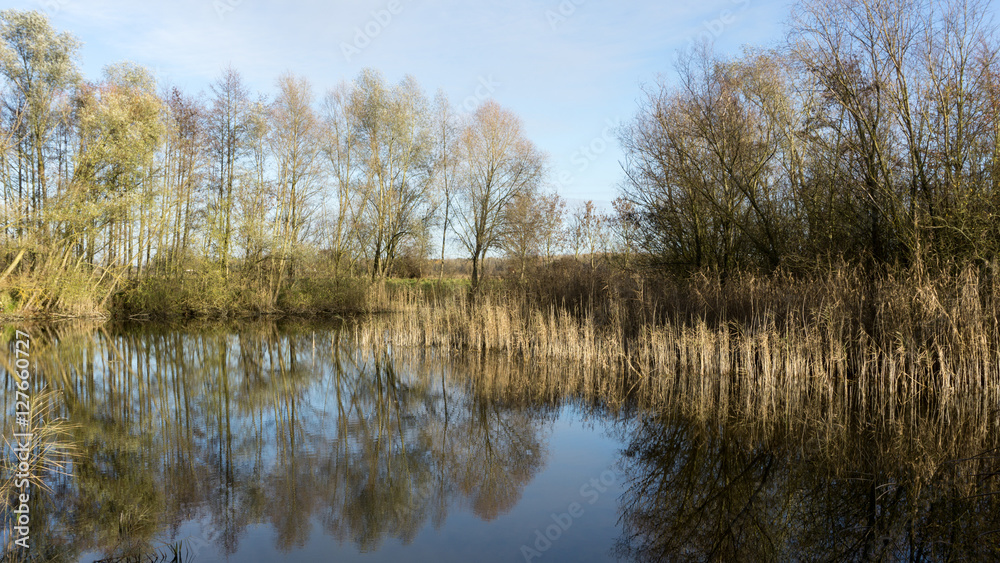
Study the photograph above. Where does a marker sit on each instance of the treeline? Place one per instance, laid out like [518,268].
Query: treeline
[123,186]
[871,136]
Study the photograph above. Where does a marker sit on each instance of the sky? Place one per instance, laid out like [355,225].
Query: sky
[573,70]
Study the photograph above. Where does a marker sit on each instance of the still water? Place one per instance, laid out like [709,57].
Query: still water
[307,442]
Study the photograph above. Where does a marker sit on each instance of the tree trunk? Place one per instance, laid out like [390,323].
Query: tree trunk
[475,271]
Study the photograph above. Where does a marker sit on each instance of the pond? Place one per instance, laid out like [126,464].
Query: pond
[324,441]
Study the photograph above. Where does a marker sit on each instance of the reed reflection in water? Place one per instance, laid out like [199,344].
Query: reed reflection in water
[198,442]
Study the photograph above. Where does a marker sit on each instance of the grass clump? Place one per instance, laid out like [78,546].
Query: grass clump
[207,292]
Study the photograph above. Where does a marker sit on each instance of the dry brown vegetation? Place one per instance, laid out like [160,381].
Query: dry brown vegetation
[757,344]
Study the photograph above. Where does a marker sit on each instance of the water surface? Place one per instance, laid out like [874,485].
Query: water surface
[310,442]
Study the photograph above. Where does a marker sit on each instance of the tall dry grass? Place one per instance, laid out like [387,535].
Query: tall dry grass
[754,344]
[50,449]
[51,454]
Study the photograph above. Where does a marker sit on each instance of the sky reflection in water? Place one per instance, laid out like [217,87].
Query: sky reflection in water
[267,442]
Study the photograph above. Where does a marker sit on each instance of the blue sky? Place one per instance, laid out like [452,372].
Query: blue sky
[571,68]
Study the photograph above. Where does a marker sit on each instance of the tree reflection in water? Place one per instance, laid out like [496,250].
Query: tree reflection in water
[723,489]
[299,427]
[271,424]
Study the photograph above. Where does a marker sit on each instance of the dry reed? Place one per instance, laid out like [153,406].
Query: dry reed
[757,345]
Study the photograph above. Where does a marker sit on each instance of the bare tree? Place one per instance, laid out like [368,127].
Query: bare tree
[446,162]
[395,140]
[500,162]
[294,142]
[587,228]
[553,232]
[227,133]
[704,165]
[341,148]
[524,229]
[534,227]
[183,169]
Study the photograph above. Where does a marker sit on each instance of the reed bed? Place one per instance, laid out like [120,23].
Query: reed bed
[760,345]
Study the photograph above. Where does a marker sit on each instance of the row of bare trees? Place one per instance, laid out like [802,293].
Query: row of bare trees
[873,135]
[123,178]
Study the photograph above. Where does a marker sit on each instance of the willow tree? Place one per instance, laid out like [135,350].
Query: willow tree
[183,171]
[340,146]
[227,133]
[9,126]
[395,158]
[121,127]
[294,142]
[38,64]
[258,198]
[500,162]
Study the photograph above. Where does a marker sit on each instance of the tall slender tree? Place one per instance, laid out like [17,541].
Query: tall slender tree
[446,163]
[38,63]
[227,135]
[500,162]
[295,145]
